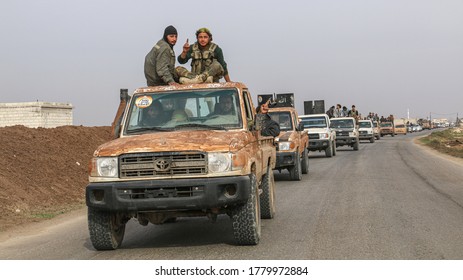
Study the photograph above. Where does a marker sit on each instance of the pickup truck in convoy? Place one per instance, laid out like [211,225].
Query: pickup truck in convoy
[347,132]
[387,128]
[366,130]
[292,143]
[201,155]
[321,136]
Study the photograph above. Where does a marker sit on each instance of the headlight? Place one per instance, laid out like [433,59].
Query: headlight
[284,146]
[324,136]
[219,162]
[104,167]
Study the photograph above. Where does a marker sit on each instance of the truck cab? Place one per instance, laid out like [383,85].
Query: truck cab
[182,151]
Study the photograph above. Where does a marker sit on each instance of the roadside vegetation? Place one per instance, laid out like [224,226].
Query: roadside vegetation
[449,141]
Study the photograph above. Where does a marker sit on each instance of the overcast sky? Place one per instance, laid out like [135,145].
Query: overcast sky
[384,56]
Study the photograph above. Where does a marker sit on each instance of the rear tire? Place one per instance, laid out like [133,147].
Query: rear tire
[246,218]
[334,148]
[267,201]
[106,229]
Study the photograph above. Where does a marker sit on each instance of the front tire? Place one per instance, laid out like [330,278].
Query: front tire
[305,162]
[246,218]
[295,172]
[329,151]
[106,229]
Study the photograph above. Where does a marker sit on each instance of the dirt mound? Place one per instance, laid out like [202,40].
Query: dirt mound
[44,171]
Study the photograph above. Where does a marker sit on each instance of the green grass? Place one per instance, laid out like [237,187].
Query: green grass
[51,212]
[449,141]
[44,216]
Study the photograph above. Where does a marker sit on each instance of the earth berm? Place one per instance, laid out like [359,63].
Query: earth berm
[44,171]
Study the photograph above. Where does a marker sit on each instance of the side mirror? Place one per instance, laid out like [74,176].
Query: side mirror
[300,127]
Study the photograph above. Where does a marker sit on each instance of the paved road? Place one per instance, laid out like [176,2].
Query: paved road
[390,200]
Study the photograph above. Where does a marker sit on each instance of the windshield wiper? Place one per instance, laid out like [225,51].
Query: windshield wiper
[149,128]
[199,125]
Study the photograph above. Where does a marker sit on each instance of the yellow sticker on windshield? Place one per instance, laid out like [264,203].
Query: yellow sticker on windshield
[143,101]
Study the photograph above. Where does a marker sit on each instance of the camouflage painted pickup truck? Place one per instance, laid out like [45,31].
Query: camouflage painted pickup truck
[182,151]
[292,143]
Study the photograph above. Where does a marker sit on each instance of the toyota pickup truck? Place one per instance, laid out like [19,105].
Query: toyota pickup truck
[182,151]
[321,136]
[347,133]
[366,130]
[292,143]
[387,128]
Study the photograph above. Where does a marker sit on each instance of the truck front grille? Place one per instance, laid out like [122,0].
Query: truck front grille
[162,164]
[342,133]
[313,136]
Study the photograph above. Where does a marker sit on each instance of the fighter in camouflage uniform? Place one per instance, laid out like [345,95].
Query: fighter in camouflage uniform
[207,65]
[160,61]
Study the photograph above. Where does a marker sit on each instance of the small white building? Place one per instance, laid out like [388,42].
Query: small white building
[35,114]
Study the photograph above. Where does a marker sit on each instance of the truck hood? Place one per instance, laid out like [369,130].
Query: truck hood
[284,136]
[343,129]
[365,128]
[318,130]
[182,140]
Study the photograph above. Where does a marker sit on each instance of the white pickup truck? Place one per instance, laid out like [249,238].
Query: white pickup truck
[321,136]
[366,130]
[347,132]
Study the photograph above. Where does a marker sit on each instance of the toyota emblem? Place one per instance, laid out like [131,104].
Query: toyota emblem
[162,165]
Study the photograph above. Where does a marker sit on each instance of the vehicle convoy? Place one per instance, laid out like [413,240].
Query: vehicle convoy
[292,143]
[321,136]
[366,130]
[387,128]
[376,130]
[347,132]
[202,155]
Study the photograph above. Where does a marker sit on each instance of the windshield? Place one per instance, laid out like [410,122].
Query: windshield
[337,123]
[386,125]
[283,119]
[314,122]
[365,124]
[186,110]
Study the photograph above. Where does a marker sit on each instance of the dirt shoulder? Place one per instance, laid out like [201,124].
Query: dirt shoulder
[44,172]
[448,141]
